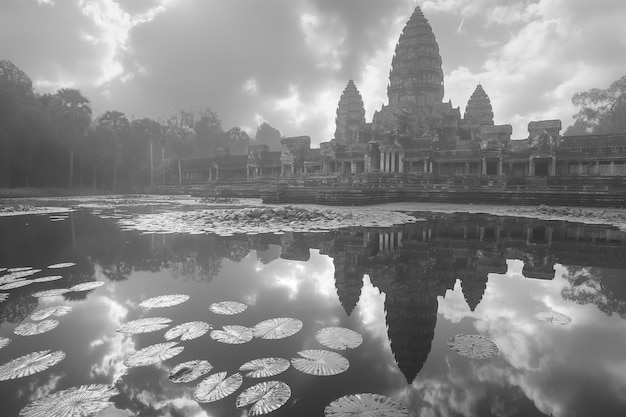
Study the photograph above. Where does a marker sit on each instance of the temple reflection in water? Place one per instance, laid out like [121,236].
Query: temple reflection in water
[412,264]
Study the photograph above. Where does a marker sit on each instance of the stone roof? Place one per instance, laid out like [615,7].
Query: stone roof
[617,140]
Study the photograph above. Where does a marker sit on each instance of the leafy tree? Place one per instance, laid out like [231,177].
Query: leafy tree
[267,135]
[603,287]
[601,111]
[148,131]
[71,114]
[238,141]
[115,127]
[181,137]
[207,128]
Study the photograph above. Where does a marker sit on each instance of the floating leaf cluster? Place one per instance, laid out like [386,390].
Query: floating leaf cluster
[553,317]
[188,331]
[217,386]
[147,325]
[50,293]
[153,354]
[30,329]
[163,301]
[87,286]
[265,397]
[30,364]
[189,371]
[61,265]
[473,346]
[4,341]
[320,362]
[228,307]
[338,338]
[44,313]
[265,367]
[234,335]
[85,400]
[278,328]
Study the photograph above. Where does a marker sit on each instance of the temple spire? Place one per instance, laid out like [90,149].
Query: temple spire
[350,115]
[478,110]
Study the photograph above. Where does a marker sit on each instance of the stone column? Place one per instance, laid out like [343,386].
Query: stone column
[393,161]
[217,173]
[553,167]
[381,166]
[612,169]
[210,174]
[467,170]
[282,170]
[352,167]
[484,167]
[401,163]
[425,166]
[500,166]
[531,167]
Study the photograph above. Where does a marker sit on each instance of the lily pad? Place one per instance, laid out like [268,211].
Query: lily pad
[266,397]
[278,328]
[85,400]
[147,325]
[21,274]
[216,387]
[153,354]
[3,296]
[320,362]
[188,331]
[265,367]
[189,371]
[163,301]
[50,293]
[473,346]
[44,313]
[234,335]
[363,405]
[87,286]
[4,341]
[339,338]
[48,278]
[61,265]
[15,284]
[30,364]
[553,317]
[228,307]
[31,329]
[20,269]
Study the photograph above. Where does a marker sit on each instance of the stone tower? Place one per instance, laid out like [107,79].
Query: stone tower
[478,110]
[415,90]
[416,77]
[350,115]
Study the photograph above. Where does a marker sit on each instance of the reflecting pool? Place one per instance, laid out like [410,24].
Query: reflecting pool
[406,290]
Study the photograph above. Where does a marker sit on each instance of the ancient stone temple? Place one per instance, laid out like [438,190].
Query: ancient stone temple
[419,139]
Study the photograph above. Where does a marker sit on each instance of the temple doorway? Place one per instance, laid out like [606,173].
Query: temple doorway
[542,167]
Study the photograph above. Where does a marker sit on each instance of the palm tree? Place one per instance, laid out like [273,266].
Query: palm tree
[115,127]
[71,113]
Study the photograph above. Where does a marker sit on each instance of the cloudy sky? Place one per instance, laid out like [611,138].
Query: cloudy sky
[286,62]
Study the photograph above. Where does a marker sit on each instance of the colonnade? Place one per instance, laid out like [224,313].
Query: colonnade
[388,161]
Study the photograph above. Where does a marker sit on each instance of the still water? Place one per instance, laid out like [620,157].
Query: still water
[405,289]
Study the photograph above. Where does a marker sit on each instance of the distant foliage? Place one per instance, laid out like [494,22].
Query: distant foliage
[53,140]
[601,110]
[268,135]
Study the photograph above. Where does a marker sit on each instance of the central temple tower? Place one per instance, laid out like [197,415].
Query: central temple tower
[415,90]
[416,77]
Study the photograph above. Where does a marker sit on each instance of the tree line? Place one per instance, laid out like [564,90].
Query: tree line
[54,140]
